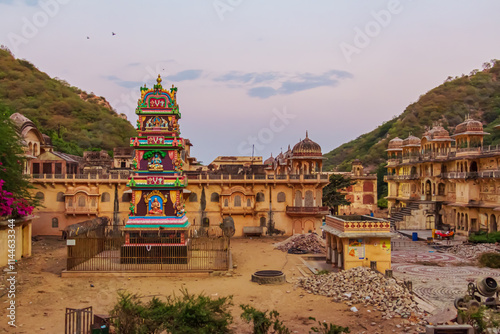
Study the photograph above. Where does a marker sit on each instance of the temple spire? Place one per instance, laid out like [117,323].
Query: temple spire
[307,135]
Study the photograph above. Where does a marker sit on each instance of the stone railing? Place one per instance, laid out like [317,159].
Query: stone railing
[81,210]
[307,210]
[115,177]
[358,224]
[258,178]
[402,177]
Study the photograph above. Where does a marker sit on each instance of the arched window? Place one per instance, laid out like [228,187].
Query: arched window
[298,198]
[260,197]
[60,197]
[93,202]
[309,200]
[81,201]
[193,197]
[237,200]
[205,222]
[214,197]
[127,197]
[226,203]
[249,202]
[281,197]
[55,222]
[40,196]
[105,197]
[441,189]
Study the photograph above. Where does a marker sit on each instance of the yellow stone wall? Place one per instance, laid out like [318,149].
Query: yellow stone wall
[251,216]
[55,209]
[22,244]
[373,252]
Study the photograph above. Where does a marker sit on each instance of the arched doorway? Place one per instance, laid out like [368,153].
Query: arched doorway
[473,167]
[493,223]
[309,227]
[428,190]
[466,221]
[297,227]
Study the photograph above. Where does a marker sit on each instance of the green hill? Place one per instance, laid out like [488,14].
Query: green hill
[75,120]
[477,94]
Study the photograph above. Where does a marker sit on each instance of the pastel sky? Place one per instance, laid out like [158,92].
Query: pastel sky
[255,72]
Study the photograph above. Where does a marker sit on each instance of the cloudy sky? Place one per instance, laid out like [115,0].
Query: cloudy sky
[253,72]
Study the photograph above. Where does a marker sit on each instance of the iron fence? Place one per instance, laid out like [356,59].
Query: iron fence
[111,254]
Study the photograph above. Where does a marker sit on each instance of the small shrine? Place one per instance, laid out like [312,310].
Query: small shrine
[156,230]
[358,241]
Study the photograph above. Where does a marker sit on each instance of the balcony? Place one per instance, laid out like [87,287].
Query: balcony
[237,210]
[471,175]
[81,210]
[307,211]
[401,177]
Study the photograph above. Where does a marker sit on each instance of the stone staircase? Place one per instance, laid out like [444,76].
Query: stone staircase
[399,215]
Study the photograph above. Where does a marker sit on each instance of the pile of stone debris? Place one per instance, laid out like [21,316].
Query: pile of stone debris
[361,285]
[302,244]
[472,251]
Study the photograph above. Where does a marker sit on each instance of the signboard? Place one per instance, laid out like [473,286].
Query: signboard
[70,242]
[356,248]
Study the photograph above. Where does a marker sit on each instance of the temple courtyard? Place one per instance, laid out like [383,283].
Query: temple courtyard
[43,294]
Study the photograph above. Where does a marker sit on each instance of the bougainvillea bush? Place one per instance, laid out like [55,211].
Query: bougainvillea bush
[15,198]
[13,207]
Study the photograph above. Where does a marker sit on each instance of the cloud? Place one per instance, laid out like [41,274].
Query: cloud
[253,77]
[262,92]
[309,81]
[281,83]
[185,75]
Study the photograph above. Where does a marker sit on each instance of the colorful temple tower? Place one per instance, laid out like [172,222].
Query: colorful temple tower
[157,225]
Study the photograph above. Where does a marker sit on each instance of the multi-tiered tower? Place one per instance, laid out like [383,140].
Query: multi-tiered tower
[157,225]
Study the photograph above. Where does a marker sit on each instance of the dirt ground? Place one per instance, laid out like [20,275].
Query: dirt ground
[43,295]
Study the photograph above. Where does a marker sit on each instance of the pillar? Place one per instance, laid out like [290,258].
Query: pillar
[328,248]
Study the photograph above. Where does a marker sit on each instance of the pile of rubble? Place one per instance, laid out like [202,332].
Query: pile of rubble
[472,251]
[302,243]
[361,285]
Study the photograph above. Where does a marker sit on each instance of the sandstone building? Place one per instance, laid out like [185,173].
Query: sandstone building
[443,181]
[282,194]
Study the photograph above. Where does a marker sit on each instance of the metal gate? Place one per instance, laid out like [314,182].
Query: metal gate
[78,321]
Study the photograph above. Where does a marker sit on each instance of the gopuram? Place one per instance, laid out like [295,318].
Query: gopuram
[157,227]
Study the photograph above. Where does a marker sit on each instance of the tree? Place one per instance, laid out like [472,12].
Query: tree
[15,199]
[331,193]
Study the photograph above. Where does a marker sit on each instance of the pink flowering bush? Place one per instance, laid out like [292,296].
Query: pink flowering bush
[13,207]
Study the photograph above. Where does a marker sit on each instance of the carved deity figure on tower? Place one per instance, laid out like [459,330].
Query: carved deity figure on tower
[155,163]
[155,207]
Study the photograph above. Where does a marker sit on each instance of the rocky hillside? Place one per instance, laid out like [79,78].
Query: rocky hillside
[74,119]
[477,94]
